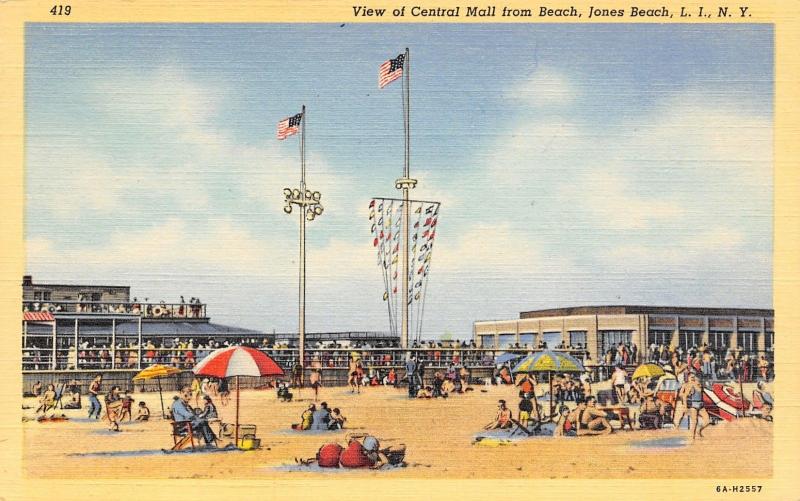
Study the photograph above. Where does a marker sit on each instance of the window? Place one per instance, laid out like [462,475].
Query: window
[747,340]
[506,339]
[769,341]
[486,341]
[552,339]
[610,339]
[577,338]
[690,339]
[659,337]
[718,341]
[41,296]
[528,338]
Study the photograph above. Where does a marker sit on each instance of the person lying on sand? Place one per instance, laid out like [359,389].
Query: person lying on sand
[363,451]
[503,418]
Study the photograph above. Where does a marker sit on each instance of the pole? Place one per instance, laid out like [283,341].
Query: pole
[406,175]
[302,285]
[550,376]
[236,430]
[161,396]
[53,363]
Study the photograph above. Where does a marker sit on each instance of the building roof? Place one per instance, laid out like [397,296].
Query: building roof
[646,310]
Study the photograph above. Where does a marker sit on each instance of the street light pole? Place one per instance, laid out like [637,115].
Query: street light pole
[310,208]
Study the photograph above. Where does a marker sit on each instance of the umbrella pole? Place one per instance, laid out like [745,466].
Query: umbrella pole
[550,375]
[161,396]
[236,431]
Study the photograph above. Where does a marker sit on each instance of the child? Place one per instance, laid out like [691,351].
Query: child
[143,413]
[127,402]
[336,420]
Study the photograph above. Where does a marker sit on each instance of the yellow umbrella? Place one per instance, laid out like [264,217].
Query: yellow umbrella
[156,372]
[648,370]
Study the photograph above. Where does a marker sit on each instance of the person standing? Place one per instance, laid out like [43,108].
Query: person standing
[94,403]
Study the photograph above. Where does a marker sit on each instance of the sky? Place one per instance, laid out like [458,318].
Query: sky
[575,164]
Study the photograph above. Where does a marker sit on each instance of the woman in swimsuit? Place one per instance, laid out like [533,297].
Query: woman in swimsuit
[694,402]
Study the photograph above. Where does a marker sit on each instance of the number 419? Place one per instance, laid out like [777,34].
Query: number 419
[60,10]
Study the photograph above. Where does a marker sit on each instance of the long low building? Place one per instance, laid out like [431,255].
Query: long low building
[600,328]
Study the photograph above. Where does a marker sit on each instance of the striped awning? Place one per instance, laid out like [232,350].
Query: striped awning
[38,316]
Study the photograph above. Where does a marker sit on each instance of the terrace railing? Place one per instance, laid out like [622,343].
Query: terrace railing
[159,310]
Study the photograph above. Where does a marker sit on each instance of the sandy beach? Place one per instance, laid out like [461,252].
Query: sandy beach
[439,436]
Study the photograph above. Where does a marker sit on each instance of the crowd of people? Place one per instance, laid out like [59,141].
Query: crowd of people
[730,363]
[194,308]
[631,402]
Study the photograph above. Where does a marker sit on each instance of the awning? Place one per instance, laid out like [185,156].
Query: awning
[38,316]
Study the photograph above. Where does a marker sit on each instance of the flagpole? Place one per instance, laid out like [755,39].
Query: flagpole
[302,282]
[405,183]
[310,206]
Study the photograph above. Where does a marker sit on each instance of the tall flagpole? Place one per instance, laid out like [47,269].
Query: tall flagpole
[405,183]
[310,208]
[302,282]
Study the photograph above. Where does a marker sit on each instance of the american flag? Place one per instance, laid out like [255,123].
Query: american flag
[289,126]
[391,70]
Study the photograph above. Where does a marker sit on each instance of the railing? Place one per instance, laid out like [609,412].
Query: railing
[145,310]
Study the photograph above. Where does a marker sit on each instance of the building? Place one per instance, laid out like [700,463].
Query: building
[91,327]
[596,329]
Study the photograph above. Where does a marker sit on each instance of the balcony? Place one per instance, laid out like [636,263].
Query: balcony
[157,311]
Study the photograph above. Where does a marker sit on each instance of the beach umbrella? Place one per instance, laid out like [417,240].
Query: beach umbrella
[237,361]
[549,361]
[156,372]
[506,357]
[648,370]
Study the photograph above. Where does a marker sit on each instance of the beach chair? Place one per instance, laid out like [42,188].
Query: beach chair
[182,435]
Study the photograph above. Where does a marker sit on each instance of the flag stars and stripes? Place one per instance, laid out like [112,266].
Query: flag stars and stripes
[391,70]
[289,126]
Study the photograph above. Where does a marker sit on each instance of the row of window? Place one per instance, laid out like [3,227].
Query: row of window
[610,339]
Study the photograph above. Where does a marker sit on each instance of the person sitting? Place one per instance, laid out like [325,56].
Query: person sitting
[651,412]
[36,389]
[766,398]
[503,418]
[564,427]
[593,421]
[306,419]
[209,409]
[182,411]
[448,387]
[74,396]
[48,399]
[321,417]
[336,420]
[284,395]
[143,414]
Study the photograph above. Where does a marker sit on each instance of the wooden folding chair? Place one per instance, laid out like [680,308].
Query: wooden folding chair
[182,435]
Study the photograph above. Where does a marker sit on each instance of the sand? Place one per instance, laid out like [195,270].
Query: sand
[439,436]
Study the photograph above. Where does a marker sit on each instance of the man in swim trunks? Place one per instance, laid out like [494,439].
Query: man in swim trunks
[503,418]
[593,421]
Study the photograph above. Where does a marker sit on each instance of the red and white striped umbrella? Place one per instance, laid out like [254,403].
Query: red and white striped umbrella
[234,362]
[237,361]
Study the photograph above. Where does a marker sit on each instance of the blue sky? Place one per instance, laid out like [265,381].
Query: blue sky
[576,164]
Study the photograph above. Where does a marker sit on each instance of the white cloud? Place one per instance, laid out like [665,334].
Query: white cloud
[545,87]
